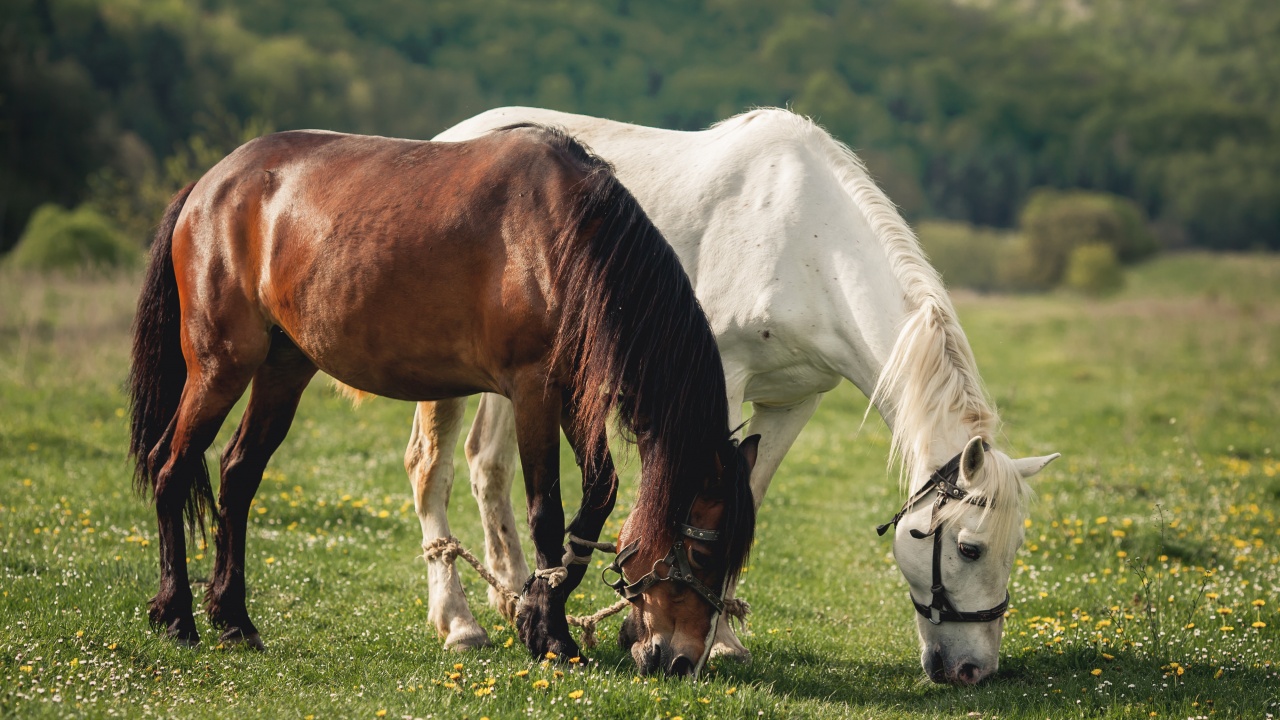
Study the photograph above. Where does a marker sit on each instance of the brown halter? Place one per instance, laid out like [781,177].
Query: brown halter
[675,559]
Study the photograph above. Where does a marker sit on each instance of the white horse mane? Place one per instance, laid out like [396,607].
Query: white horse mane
[930,379]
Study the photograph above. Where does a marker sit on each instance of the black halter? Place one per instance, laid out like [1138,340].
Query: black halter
[943,482]
[679,570]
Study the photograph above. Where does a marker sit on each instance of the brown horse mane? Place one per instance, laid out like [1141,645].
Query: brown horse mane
[636,341]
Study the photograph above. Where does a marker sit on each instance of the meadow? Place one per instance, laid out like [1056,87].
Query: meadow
[1149,585]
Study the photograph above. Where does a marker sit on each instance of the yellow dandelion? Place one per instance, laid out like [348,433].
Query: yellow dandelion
[575,694]
[541,684]
[481,692]
[1259,624]
[551,656]
[521,673]
[1095,672]
[455,676]
[508,642]
[1227,628]
[25,668]
[704,701]
[381,713]
[457,666]
[1189,626]
[731,691]
[1224,611]
[269,560]
[575,659]
[1211,596]
[1102,520]
[1108,656]
[451,685]
[1259,602]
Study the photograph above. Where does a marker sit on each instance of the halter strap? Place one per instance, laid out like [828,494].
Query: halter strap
[943,483]
[678,569]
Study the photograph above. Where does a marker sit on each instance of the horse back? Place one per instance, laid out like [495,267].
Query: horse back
[380,257]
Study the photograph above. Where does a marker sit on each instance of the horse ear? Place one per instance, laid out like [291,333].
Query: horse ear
[972,459]
[749,449]
[1030,466]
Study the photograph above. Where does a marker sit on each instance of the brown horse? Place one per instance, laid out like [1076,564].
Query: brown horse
[516,264]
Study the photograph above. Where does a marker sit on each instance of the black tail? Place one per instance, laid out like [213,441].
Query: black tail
[159,371]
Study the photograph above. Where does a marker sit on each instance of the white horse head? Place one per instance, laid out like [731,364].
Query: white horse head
[957,557]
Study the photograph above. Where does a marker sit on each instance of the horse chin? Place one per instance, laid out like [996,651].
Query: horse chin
[960,654]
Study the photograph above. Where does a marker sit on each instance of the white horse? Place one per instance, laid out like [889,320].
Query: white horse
[808,275]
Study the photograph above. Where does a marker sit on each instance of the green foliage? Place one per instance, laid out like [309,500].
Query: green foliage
[1094,269]
[1054,223]
[60,239]
[967,257]
[961,109]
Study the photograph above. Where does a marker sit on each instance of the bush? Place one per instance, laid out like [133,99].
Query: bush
[1054,223]
[1094,269]
[982,259]
[59,239]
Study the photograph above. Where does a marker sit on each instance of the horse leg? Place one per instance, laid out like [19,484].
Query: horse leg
[541,621]
[278,385]
[599,492]
[211,389]
[491,454]
[429,462]
[778,427]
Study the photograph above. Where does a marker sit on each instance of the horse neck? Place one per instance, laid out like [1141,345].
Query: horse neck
[901,342]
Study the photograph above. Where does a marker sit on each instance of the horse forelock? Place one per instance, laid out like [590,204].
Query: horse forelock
[1005,494]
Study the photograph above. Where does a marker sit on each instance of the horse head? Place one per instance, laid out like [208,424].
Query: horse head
[676,578]
[955,543]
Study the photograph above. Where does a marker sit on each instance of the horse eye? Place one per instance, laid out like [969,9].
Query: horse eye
[699,560]
[973,552]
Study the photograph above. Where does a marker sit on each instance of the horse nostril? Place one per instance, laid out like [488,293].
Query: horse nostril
[969,673]
[935,667]
[681,667]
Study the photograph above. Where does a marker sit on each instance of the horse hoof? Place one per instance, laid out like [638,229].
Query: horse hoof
[182,631]
[726,651]
[541,623]
[235,637]
[467,638]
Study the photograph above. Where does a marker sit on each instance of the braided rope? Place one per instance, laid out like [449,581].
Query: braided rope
[449,549]
[589,623]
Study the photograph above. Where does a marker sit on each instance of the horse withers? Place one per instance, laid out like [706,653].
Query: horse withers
[515,264]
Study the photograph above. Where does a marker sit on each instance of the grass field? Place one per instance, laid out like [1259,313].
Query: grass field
[1149,585]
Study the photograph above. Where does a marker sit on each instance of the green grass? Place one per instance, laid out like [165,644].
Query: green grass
[1162,403]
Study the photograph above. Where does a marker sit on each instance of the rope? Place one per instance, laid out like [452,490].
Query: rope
[588,623]
[448,549]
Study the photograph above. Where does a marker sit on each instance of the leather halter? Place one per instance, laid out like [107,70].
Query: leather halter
[677,562]
[943,482]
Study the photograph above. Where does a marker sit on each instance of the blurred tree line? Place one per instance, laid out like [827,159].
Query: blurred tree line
[962,109]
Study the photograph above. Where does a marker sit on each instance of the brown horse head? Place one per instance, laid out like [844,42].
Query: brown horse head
[684,561]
